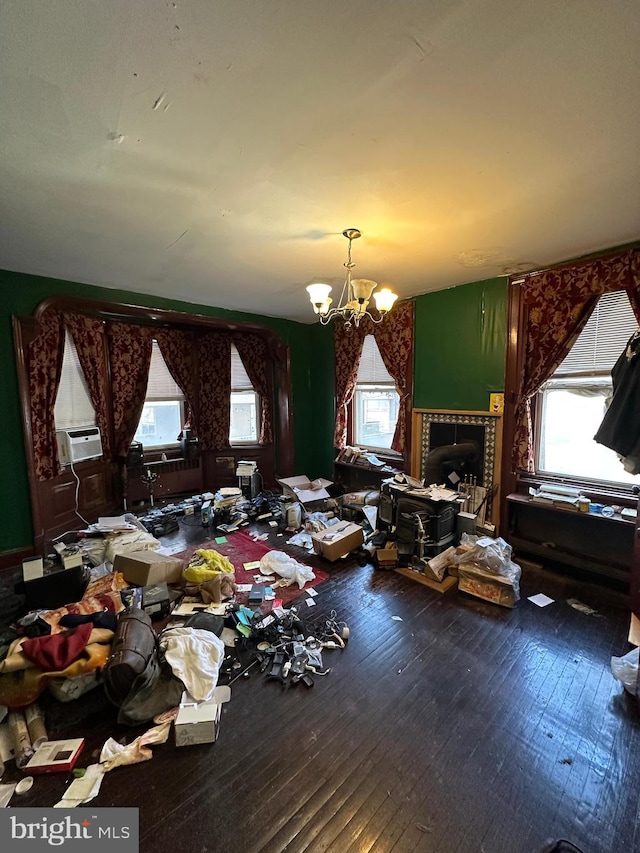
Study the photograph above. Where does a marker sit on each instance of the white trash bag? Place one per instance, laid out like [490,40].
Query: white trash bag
[625,669]
[290,570]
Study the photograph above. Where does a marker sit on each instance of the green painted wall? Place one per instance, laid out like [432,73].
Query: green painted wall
[314,411]
[460,341]
[311,348]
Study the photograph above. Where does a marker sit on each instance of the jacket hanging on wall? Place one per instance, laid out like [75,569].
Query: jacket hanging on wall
[620,427]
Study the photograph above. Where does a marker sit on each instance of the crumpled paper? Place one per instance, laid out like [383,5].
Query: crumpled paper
[115,754]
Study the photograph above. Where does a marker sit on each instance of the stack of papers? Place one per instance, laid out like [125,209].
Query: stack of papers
[111,524]
[246,469]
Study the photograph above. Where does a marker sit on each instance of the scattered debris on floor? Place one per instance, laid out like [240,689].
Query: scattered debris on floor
[582,608]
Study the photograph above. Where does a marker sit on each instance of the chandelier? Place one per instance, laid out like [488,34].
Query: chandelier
[355,296]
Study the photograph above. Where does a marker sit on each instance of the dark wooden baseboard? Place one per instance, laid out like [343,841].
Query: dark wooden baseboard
[11,559]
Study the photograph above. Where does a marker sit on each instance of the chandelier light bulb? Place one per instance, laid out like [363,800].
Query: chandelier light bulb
[319,296]
[384,300]
[363,288]
[355,296]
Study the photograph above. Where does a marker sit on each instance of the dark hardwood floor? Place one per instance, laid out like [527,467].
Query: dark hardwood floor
[464,727]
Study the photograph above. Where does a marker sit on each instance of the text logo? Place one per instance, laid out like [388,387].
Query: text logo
[34,830]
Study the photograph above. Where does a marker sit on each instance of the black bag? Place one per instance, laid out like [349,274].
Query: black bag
[133,647]
[206,622]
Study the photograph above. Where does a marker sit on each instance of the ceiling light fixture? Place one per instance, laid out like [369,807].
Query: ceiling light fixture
[355,296]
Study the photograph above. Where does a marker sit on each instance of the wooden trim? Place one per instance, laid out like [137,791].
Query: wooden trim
[514,366]
[12,559]
[125,312]
[282,374]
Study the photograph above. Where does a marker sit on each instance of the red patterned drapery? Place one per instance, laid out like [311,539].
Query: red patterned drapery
[253,352]
[558,304]
[178,349]
[348,350]
[130,356]
[214,399]
[89,337]
[44,366]
[394,336]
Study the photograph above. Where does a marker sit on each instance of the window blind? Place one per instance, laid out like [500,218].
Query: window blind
[371,369]
[239,379]
[161,385]
[73,406]
[603,338]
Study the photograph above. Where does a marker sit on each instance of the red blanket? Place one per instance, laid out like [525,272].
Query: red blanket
[241,548]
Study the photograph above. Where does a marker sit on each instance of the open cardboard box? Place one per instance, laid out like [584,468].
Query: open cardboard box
[302,489]
[338,540]
[199,722]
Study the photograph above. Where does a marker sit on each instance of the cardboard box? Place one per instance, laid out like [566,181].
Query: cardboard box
[199,722]
[303,489]
[55,756]
[148,567]
[338,540]
[483,584]
[387,557]
[437,566]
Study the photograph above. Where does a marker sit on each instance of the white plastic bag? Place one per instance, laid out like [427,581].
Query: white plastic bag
[493,556]
[625,669]
[289,569]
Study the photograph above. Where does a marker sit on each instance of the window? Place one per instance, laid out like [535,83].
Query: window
[244,404]
[375,401]
[571,405]
[73,404]
[163,412]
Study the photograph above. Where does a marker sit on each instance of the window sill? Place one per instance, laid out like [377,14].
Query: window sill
[597,493]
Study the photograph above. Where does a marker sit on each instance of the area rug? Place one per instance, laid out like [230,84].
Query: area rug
[241,548]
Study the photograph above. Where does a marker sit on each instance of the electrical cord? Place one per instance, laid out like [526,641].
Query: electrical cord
[60,535]
[77,509]
[555,846]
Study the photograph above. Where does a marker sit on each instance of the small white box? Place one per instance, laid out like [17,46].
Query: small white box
[32,568]
[70,561]
[199,722]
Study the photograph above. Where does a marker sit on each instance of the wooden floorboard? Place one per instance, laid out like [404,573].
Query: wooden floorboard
[464,727]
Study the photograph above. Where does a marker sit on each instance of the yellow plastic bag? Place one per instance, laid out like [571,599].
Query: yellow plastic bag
[205,565]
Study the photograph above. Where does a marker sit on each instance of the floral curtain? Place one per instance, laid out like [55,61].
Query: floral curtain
[253,352]
[179,352]
[348,343]
[88,336]
[558,304]
[214,398]
[394,337]
[130,356]
[44,366]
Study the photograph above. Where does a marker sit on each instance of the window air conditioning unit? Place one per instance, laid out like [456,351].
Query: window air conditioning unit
[78,444]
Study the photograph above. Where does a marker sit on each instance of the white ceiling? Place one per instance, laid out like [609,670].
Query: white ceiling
[214,150]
